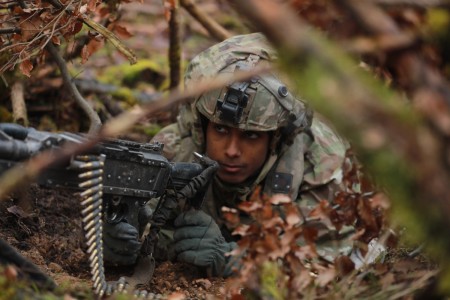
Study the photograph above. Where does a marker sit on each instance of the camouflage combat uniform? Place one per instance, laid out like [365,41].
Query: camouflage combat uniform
[308,167]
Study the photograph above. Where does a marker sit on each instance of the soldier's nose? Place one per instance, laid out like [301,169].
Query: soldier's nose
[233,149]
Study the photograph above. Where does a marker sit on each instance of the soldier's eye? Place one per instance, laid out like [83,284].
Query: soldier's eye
[253,135]
[221,128]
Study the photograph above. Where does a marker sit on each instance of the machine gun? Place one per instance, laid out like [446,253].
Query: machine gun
[115,180]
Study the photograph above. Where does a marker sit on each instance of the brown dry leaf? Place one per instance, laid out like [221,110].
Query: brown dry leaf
[90,49]
[366,214]
[306,252]
[69,31]
[344,265]
[301,280]
[56,40]
[280,199]
[176,296]
[273,222]
[310,234]
[25,67]
[290,236]
[169,5]
[46,16]
[267,212]
[321,211]
[122,31]
[241,230]
[231,216]
[387,280]
[30,26]
[292,215]
[380,200]
[10,273]
[358,234]
[92,5]
[204,282]
[325,276]
[264,246]
[249,206]
[18,211]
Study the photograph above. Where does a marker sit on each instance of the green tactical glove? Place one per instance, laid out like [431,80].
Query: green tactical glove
[198,241]
[120,243]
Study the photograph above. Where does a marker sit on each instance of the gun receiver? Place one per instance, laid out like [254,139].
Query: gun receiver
[116,178]
[133,171]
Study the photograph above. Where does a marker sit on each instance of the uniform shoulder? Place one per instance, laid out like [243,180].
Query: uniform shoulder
[170,137]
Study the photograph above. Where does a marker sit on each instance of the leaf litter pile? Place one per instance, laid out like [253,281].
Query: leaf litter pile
[45,226]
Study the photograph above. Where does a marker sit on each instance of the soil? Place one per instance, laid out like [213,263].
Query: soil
[45,227]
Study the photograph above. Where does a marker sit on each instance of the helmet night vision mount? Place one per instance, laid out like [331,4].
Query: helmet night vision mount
[234,102]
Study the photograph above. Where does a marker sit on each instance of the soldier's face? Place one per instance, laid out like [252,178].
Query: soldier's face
[240,154]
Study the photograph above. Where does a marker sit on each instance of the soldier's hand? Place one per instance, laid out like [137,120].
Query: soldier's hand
[121,244]
[198,241]
[197,186]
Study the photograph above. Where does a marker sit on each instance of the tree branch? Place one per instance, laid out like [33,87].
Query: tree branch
[22,174]
[214,28]
[19,107]
[174,48]
[94,119]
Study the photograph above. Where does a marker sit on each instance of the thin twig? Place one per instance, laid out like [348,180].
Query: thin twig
[214,28]
[19,107]
[9,30]
[24,173]
[418,3]
[95,122]
[174,48]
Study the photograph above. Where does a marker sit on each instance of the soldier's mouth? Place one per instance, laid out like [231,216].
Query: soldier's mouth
[231,168]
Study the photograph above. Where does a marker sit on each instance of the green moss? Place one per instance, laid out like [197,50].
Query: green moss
[438,21]
[149,130]
[273,282]
[152,72]
[125,94]
[5,114]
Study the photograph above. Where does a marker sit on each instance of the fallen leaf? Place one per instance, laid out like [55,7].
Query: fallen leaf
[26,67]
[280,199]
[325,276]
[18,211]
[176,296]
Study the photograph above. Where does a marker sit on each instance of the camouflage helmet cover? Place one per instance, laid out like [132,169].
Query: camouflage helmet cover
[268,104]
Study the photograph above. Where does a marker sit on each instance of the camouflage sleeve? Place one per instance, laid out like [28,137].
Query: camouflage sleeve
[326,159]
[170,137]
[176,149]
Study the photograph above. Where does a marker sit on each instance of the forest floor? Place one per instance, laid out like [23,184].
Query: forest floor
[45,227]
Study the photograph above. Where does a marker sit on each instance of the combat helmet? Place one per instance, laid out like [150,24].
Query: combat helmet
[263,103]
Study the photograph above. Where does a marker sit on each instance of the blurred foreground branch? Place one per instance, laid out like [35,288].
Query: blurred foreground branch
[405,157]
[25,173]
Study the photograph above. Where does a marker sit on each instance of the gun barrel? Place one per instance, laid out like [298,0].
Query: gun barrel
[14,150]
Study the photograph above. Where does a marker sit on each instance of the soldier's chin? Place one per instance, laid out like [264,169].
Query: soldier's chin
[231,178]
